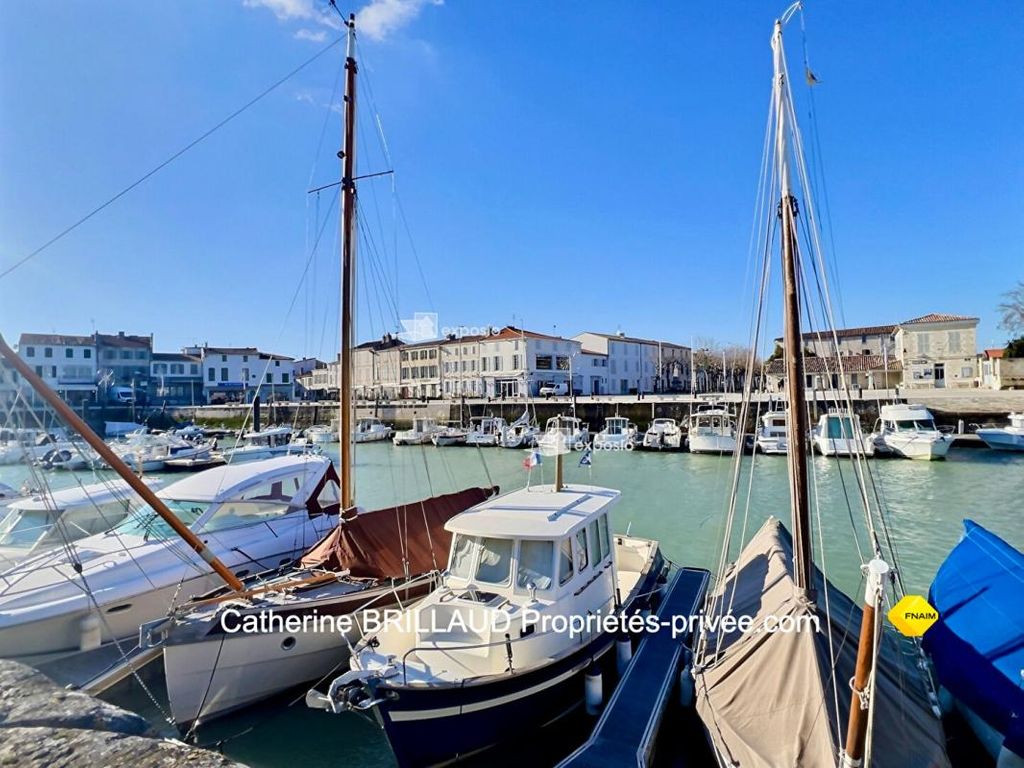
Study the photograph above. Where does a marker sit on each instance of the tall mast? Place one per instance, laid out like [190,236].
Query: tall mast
[796,424]
[348,267]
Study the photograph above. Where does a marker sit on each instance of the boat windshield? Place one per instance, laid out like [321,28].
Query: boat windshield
[840,428]
[912,425]
[145,522]
[23,527]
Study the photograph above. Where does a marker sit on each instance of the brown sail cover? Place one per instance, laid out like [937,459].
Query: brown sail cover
[395,542]
[767,700]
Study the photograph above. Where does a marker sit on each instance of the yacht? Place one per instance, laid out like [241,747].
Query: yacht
[150,452]
[275,441]
[370,430]
[771,437]
[838,433]
[74,456]
[27,446]
[450,435]
[321,434]
[422,430]
[51,519]
[1008,438]
[485,431]
[909,431]
[253,516]
[663,434]
[483,645]
[618,433]
[521,433]
[563,432]
[711,430]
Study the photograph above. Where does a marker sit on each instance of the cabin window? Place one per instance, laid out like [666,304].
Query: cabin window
[232,514]
[274,490]
[462,555]
[564,561]
[581,550]
[535,559]
[495,561]
[329,496]
[602,529]
[593,547]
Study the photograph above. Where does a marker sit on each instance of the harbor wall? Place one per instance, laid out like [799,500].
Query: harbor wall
[43,725]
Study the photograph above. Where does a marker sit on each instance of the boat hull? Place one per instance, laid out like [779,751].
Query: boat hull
[916,447]
[716,444]
[1001,439]
[371,437]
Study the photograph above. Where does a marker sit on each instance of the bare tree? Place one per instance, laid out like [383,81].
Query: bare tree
[1012,310]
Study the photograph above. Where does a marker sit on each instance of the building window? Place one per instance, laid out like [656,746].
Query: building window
[47,351]
[109,354]
[39,371]
[223,358]
[223,374]
[211,375]
[497,363]
[284,378]
[268,378]
[69,352]
[193,368]
[53,371]
[515,362]
[922,343]
[87,354]
[245,358]
[543,362]
[126,354]
[954,342]
[30,351]
[140,354]
[277,363]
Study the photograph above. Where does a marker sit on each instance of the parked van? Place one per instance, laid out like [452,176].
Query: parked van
[121,394]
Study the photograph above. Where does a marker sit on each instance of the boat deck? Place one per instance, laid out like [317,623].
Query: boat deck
[626,732]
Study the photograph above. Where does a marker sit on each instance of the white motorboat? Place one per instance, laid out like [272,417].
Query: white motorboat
[253,516]
[618,433]
[370,431]
[422,430]
[18,446]
[485,431]
[1008,438]
[563,433]
[275,441]
[711,430]
[663,434]
[50,519]
[449,436]
[771,437]
[150,452]
[909,431]
[479,662]
[73,456]
[838,433]
[521,433]
[320,434]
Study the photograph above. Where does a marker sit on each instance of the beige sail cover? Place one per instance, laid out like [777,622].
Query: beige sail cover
[767,699]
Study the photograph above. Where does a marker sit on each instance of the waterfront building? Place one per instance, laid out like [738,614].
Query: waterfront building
[856,372]
[123,360]
[997,371]
[238,374]
[376,373]
[66,363]
[176,379]
[460,366]
[938,350]
[514,362]
[637,365]
[420,370]
[864,340]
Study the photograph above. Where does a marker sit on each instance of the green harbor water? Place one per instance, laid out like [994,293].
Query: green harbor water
[679,499]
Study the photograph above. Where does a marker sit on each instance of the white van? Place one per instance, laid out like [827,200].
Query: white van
[554,390]
[122,394]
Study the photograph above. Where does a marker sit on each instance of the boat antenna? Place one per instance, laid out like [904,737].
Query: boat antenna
[348,220]
[74,421]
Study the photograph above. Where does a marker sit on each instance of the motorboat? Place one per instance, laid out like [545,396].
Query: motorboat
[51,519]
[771,437]
[370,430]
[485,431]
[320,434]
[619,433]
[909,431]
[479,661]
[977,641]
[275,441]
[450,435]
[423,428]
[838,433]
[145,452]
[711,430]
[26,446]
[563,433]
[372,560]
[74,456]
[663,434]
[253,516]
[1008,438]
[521,433]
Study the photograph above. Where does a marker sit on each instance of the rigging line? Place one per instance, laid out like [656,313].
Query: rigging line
[267,91]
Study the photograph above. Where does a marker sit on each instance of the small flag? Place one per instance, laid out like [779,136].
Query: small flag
[532,460]
[586,459]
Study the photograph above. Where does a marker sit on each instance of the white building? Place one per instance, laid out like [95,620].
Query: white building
[514,362]
[420,370]
[377,367]
[638,365]
[67,364]
[238,374]
[938,350]
[460,367]
[176,379]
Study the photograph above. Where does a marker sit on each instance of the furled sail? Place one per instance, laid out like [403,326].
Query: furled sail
[775,699]
[395,542]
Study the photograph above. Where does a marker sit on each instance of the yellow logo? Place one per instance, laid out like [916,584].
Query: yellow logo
[913,615]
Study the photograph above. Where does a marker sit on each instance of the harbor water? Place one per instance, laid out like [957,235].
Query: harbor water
[678,498]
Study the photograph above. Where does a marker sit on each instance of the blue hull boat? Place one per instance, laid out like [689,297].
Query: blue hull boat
[977,645]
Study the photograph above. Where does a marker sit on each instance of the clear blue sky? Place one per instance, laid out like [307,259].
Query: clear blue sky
[579,165]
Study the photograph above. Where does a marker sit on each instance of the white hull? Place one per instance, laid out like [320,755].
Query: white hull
[482,441]
[371,437]
[662,440]
[717,444]
[772,446]
[828,446]
[442,441]
[613,441]
[411,438]
[1002,439]
[922,446]
[240,455]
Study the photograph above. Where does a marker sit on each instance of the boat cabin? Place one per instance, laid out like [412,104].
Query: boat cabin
[906,418]
[270,438]
[711,420]
[616,425]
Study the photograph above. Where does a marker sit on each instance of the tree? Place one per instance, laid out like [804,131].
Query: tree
[1012,310]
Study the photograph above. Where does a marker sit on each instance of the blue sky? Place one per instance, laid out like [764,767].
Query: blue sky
[573,166]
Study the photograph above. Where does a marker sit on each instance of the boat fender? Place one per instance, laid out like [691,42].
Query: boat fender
[593,690]
[623,652]
[90,632]
[687,688]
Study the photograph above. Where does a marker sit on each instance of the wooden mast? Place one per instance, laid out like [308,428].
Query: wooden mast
[796,424]
[348,218]
[135,483]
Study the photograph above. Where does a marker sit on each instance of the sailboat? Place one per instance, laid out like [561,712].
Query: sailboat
[772,698]
[371,559]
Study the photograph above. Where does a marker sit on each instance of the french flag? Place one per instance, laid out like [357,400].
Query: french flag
[532,460]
